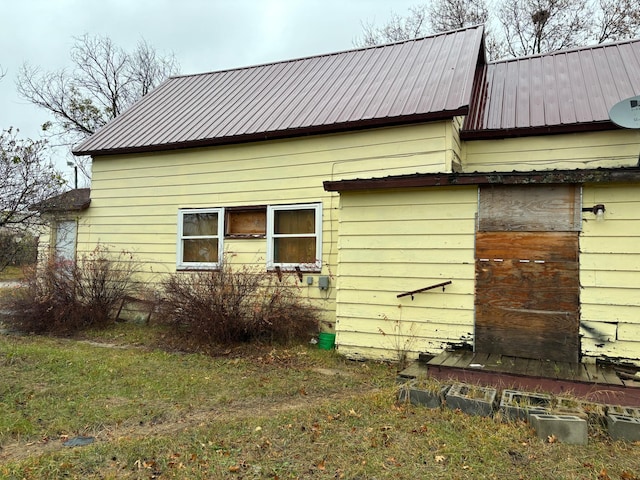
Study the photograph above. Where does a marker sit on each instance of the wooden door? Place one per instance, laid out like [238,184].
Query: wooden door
[527,273]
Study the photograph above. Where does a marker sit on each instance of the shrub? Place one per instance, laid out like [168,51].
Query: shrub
[64,296]
[227,306]
[17,249]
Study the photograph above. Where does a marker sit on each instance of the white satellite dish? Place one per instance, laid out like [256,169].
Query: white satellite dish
[626,113]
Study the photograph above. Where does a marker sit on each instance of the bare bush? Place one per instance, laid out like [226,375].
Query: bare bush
[63,296]
[228,306]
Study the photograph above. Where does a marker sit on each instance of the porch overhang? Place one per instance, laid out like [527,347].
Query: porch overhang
[422,180]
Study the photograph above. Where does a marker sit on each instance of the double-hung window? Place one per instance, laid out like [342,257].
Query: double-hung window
[294,236]
[200,237]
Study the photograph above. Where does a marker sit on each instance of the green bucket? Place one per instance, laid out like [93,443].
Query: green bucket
[326,341]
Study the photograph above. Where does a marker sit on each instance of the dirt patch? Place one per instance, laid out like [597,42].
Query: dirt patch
[332,372]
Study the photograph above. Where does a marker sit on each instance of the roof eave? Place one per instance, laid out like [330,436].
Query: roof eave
[488,134]
[282,134]
[73,208]
[578,176]
[71,201]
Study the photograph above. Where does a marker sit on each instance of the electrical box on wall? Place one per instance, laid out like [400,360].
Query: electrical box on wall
[323,283]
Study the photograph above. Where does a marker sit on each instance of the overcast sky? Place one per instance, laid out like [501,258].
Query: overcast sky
[204,35]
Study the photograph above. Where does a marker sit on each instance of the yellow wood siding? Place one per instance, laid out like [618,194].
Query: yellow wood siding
[615,148]
[456,145]
[135,198]
[378,244]
[610,273]
[397,241]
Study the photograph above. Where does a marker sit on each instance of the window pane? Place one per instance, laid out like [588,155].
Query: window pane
[294,250]
[201,250]
[65,246]
[200,224]
[294,221]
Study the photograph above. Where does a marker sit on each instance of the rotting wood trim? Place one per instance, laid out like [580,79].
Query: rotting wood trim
[419,180]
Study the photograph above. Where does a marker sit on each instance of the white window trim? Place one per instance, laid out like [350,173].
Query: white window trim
[180,264]
[271,264]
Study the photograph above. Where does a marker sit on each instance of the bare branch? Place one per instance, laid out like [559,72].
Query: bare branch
[537,26]
[147,69]
[618,20]
[103,81]
[396,29]
[516,27]
[445,15]
[25,179]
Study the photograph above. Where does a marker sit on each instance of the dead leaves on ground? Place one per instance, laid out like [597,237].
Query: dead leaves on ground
[604,475]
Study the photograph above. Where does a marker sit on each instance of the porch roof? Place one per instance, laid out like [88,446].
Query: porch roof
[73,200]
[421,180]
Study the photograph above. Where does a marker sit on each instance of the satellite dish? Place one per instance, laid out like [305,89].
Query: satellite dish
[626,113]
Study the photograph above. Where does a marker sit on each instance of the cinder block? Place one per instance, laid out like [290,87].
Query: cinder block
[515,404]
[430,398]
[472,399]
[623,428]
[566,428]
[623,411]
[569,406]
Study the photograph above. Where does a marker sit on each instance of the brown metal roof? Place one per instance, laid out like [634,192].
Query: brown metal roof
[416,80]
[553,93]
[73,200]
[421,180]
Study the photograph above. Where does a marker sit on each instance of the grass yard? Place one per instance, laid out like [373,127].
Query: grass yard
[253,413]
[11,273]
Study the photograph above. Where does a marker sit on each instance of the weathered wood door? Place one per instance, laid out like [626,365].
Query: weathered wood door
[527,272]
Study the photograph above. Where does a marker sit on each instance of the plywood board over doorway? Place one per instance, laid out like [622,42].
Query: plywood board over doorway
[527,272]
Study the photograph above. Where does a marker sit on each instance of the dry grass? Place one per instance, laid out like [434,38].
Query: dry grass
[258,413]
[11,273]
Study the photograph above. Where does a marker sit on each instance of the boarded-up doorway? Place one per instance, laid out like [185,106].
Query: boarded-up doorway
[527,272]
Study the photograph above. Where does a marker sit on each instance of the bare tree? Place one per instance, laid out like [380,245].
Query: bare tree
[438,16]
[617,20]
[537,26]
[25,179]
[447,15]
[103,81]
[516,27]
[396,29]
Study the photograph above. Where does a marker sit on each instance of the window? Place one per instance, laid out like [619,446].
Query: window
[200,239]
[245,222]
[294,236]
[65,240]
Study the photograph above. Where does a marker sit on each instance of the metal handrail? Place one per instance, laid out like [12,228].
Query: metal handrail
[420,290]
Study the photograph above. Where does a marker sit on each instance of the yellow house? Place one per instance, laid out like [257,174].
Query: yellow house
[378,173]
